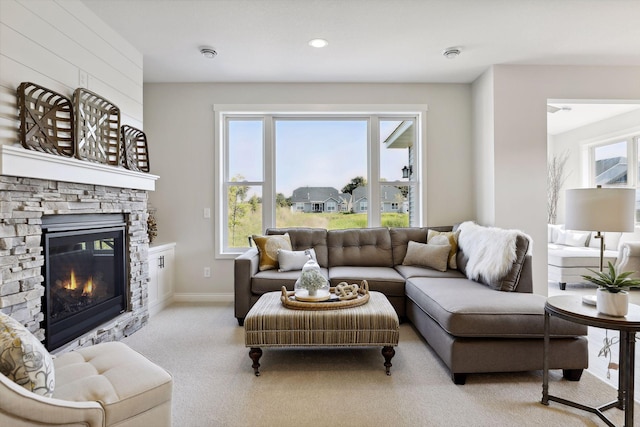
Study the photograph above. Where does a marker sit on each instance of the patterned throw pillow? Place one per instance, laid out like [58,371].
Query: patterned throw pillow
[23,359]
[453,242]
[268,248]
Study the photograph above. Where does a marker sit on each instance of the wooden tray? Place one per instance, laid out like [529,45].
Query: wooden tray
[46,120]
[289,300]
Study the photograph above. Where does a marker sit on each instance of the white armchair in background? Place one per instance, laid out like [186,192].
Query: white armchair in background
[629,258]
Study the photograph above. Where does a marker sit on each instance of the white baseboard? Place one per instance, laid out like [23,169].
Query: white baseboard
[203,297]
[158,306]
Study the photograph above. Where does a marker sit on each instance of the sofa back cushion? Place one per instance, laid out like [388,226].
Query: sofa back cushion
[305,238]
[401,236]
[611,240]
[366,247]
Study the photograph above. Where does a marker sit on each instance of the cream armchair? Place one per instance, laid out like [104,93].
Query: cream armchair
[20,407]
[108,384]
[629,258]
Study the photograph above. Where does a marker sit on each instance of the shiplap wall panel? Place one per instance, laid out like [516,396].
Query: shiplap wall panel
[31,55]
[48,43]
[9,120]
[74,41]
[98,26]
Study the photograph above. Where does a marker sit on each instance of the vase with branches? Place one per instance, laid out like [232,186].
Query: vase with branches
[555,180]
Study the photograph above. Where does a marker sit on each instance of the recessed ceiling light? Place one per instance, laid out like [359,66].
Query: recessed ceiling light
[451,52]
[208,52]
[318,43]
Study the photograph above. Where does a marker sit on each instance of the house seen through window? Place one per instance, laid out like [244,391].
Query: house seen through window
[317,171]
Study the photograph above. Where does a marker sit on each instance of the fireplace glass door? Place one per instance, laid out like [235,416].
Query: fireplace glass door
[85,280]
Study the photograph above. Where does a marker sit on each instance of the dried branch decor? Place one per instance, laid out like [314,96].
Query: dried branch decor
[46,120]
[97,128]
[555,181]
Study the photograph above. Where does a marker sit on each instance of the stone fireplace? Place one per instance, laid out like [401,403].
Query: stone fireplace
[27,200]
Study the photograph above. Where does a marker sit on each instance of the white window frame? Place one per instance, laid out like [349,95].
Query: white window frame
[633,163]
[271,112]
[632,159]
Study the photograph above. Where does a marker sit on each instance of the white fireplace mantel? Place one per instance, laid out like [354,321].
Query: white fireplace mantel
[18,161]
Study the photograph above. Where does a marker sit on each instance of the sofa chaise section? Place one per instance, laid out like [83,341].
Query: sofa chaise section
[489,330]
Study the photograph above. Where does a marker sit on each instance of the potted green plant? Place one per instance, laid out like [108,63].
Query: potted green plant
[612,297]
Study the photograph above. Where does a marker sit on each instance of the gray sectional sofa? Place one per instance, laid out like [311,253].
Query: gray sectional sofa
[473,327]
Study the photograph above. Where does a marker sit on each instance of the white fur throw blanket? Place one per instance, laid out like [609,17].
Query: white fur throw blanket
[491,251]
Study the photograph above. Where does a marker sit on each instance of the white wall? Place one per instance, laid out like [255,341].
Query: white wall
[49,43]
[573,143]
[179,126]
[483,154]
[520,139]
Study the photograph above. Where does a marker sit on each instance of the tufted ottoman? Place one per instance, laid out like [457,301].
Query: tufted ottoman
[270,324]
[132,390]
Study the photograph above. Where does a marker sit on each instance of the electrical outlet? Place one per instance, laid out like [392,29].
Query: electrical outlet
[206,213]
[207,272]
[83,79]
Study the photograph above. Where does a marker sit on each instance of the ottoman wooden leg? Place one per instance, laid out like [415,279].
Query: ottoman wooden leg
[255,353]
[388,352]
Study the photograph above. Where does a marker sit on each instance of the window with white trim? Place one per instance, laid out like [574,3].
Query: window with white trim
[288,169]
[616,163]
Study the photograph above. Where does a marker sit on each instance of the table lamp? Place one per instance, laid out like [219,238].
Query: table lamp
[600,210]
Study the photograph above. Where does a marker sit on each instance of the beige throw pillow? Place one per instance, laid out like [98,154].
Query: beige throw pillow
[268,248]
[452,236]
[427,255]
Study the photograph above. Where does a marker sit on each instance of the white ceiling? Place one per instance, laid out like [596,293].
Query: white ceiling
[572,115]
[369,40]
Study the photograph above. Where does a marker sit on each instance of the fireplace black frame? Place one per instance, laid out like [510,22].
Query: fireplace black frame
[63,331]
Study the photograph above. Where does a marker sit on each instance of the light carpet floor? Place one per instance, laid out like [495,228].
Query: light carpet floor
[203,348]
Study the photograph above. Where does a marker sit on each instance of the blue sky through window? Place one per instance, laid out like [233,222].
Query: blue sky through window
[315,153]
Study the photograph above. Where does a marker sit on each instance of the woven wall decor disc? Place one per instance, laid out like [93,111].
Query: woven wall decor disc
[134,147]
[97,128]
[46,120]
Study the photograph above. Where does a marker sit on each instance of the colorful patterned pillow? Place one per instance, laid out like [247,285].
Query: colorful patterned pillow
[23,359]
[453,242]
[268,248]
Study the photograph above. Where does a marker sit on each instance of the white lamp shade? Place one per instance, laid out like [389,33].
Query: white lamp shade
[600,209]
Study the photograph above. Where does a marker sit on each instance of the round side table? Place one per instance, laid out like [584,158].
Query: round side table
[571,308]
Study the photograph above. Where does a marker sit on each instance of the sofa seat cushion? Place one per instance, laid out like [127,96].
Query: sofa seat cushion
[121,379]
[465,308]
[272,280]
[383,279]
[408,271]
[570,256]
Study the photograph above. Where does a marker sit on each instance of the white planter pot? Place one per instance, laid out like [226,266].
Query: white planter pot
[612,304]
